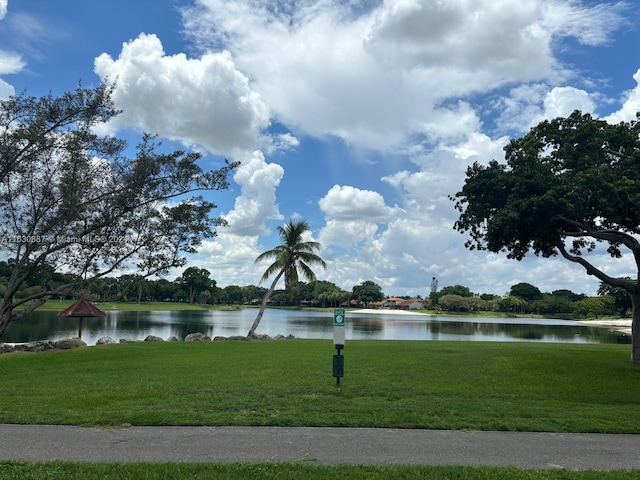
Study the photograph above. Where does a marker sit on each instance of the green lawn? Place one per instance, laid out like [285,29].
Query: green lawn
[59,305]
[287,471]
[444,385]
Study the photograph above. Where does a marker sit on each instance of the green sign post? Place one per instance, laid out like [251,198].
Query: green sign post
[339,322]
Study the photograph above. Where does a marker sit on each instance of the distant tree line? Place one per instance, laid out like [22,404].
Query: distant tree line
[524,298]
[196,286]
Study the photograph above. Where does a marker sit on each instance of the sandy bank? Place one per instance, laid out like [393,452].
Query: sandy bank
[622,325]
[386,312]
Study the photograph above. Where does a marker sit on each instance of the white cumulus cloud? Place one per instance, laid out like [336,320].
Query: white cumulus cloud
[377,74]
[563,101]
[352,216]
[630,106]
[10,62]
[256,203]
[205,101]
[349,203]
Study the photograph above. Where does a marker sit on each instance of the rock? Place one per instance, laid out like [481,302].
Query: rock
[172,338]
[129,340]
[69,343]
[233,337]
[105,341]
[260,336]
[43,346]
[39,346]
[153,338]
[197,337]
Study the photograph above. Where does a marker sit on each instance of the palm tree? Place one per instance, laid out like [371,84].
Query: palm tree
[291,256]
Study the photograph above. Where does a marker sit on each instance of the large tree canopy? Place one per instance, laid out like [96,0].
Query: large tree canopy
[195,281]
[569,185]
[71,201]
[526,291]
[367,292]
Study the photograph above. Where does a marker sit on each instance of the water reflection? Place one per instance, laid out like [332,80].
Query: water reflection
[387,326]
[369,327]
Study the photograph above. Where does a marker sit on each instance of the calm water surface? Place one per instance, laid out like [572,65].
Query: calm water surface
[387,326]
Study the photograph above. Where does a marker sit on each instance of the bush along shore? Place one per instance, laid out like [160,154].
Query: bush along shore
[71,343]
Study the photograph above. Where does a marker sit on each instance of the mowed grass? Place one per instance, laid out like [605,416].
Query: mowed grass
[59,305]
[291,471]
[399,384]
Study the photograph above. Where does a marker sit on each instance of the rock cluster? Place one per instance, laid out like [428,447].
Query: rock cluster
[43,345]
[69,343]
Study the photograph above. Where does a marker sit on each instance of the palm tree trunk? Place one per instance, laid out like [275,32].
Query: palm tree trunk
[256,322]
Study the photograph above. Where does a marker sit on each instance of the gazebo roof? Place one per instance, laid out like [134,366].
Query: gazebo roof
[82,308]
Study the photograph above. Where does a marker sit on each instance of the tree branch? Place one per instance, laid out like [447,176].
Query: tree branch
[612,236]
[608,235]
[600,275]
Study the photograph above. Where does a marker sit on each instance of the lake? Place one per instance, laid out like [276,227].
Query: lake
[306,324]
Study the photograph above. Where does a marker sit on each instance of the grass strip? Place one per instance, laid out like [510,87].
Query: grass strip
[394,384]
[293,471]
[59,305]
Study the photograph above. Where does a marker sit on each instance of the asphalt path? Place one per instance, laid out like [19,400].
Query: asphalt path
[328,446]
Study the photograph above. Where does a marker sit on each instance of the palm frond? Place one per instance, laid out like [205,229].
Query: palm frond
[312,259]
[306,246]
[271,269]
[294,253]
[306,271]
[269,254]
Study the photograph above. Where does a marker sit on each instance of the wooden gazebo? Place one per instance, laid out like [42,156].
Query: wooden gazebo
[82,308]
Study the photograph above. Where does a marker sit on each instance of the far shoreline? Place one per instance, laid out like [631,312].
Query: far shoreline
[622,325]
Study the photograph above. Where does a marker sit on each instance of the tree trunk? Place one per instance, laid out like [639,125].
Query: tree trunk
[635,327]
[5,318]
[256,322]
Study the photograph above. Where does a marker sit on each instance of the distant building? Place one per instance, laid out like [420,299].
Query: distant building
[403,303]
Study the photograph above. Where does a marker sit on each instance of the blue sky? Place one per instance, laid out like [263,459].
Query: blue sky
[358,116]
